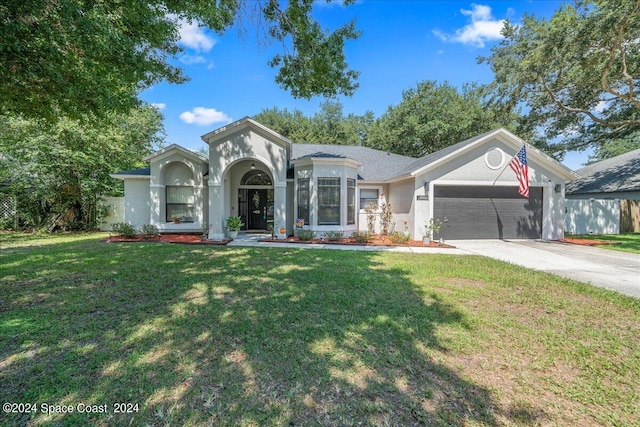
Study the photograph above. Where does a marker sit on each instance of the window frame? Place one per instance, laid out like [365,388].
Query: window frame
[378,191]
[170,206]
[334,200]
[302,203]
[351,201]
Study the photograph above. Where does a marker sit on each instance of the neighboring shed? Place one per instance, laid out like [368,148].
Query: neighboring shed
[615,178]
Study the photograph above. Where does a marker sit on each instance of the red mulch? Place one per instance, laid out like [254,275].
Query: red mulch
[186,239]
[376,241]
[587,242]
[194,239]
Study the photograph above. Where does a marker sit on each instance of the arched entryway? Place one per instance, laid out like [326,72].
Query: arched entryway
[255,199]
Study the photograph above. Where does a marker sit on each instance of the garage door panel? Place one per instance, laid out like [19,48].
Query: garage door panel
[488,212]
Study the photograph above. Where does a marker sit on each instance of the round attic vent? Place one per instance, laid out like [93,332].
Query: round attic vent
[494,158]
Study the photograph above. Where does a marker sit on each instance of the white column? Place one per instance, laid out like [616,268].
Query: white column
[216,208]
[158,204]
[280,208]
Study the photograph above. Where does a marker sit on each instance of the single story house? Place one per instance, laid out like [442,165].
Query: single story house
[606,197]
[614,178]
[267,179]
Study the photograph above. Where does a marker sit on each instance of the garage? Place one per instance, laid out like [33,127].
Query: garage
[488,212]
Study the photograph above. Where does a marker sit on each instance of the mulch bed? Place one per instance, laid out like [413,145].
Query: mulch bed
[194,239]
[185,239]
[587,242]
[376,241]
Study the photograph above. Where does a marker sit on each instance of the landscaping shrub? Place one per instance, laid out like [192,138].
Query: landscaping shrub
[306,234]
[362,236]
[123,229]
[400,238]
[333,236]
[149,231]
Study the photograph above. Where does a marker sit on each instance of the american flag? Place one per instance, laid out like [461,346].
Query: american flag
[520,167]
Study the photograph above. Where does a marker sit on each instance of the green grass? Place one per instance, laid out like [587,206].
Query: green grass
[199,335]
[628,242]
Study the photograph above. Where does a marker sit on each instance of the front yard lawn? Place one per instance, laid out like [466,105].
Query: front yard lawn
[201,335]
[628,242]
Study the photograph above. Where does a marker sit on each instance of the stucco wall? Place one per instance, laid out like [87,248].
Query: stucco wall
[401,197]
[176,166]
[592,216]
[137,202]
[229,156]
[115,212]
[476,167]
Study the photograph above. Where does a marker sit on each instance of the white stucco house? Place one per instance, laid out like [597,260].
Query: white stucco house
[267,179]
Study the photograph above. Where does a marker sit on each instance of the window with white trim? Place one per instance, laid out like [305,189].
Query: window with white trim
[303,199]
[180,203]
[351,201]
[328,201]
[369,196]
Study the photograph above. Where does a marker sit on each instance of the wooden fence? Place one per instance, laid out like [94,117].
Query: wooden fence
[629,216]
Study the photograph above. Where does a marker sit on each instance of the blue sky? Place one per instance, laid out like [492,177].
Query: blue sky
[402,43]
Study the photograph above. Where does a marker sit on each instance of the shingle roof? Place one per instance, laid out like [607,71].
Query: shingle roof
[430,158]
[376,165]
[617,174]
[140,172]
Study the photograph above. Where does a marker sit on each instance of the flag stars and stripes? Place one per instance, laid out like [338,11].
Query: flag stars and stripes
[520,167]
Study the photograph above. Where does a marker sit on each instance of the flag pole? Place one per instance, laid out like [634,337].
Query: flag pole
[501,172]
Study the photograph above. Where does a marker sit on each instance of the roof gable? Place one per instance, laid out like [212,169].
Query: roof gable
[173,148]
[221,134]
[445,155]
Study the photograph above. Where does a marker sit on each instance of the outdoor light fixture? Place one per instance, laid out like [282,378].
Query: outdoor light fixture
[253,165]
[557,188]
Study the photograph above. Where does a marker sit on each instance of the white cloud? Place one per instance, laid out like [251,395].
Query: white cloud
[483,27]
[192,59]
[193,36]
[205,116]
[159,105]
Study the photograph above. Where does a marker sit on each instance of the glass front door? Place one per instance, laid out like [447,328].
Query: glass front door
[256,207]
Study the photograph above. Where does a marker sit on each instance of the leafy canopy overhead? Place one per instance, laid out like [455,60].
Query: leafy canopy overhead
[433,116]
[70,57]
[578,73]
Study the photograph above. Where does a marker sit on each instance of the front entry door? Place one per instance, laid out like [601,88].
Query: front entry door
[257,215]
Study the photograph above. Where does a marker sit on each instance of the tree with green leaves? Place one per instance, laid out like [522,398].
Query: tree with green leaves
[293,125]
[70,57]
[577,74]
[433,116]
[58,170]
[328,126]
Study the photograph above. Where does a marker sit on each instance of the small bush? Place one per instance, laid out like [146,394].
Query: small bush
[362,236]
[306,234]
[149,231]
[400,238]
[123,229]
[333,236]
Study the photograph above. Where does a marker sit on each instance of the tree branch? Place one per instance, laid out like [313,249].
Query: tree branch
[621,123]
[612,56]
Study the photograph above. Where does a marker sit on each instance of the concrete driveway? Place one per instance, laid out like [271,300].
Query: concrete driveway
[619,271]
